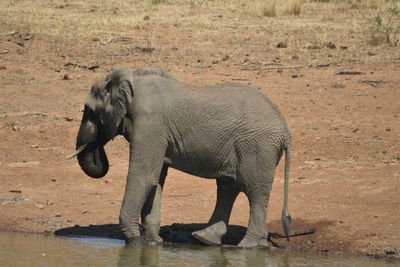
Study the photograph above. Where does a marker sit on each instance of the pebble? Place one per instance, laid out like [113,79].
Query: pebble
[391,251]
[281,45]
[40,206]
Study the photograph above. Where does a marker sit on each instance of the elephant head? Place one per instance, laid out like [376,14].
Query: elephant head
[105,107]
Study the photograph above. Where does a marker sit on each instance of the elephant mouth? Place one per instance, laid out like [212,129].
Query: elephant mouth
[92,159]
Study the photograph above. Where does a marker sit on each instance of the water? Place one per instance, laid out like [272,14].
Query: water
[40,250]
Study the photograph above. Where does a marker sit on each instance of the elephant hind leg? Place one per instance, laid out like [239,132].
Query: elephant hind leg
[227,192]
[257,189]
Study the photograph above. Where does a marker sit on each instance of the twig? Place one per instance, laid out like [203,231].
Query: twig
[278,67]
[240,79]
[304,232]
[92,68]
[350,73]
[372,83]
[106,42]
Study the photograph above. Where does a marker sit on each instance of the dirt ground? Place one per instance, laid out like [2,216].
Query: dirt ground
[339,94]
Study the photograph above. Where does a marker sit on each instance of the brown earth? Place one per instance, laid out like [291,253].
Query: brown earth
[345,175]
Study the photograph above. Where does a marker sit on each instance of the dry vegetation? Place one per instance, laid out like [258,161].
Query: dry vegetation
[346,147]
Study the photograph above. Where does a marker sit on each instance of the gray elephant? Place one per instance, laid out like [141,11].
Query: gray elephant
[228,132]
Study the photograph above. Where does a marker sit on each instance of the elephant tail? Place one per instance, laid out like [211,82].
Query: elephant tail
[286,218]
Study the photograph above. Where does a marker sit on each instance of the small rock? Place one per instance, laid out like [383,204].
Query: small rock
[281,45]
[309,242]
[343,47]
[58,215]
[371,53]
[66,77]
[40,206]
[388,129]
[108,181]
[49,203]
[335,128]
[391,251]
[146,17]
[314,46]
[28,218]
[225,58]
[21,198]
[69,220]
[68,118]
[295,76]
[3,51]
[3,68]
[323,65]
[84,211]
[355,130]
[15,128]
[331,45]
[53,179]
[34,146]
[279,71]
[215,61]
[21,43]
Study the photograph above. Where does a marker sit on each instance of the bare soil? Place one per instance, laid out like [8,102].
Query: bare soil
[345,175]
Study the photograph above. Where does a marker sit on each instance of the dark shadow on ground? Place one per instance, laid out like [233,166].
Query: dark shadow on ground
[182,233]
[175,233]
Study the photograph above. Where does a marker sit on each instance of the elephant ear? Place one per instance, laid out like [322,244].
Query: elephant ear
[117,98]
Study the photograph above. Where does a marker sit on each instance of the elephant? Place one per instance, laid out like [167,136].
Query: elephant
[228,132]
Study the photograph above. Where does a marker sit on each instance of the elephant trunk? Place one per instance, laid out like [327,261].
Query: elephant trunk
[93,160]
[90,147]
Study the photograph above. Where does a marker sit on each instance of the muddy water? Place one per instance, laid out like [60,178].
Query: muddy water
[39,250]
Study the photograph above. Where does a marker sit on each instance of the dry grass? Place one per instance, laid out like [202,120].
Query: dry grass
[320,21]
[293,8]
[269,10]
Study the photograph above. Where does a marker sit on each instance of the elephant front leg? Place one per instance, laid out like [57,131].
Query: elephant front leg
[152,210]
[142,184]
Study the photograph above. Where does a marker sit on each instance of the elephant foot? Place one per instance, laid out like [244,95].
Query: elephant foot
[252,242]
[212,234]
[151,234]
[144,241]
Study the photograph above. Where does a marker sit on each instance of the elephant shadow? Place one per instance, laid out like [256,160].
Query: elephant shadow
[174,234]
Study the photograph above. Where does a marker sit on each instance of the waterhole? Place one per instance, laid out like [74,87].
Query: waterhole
[39,250]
